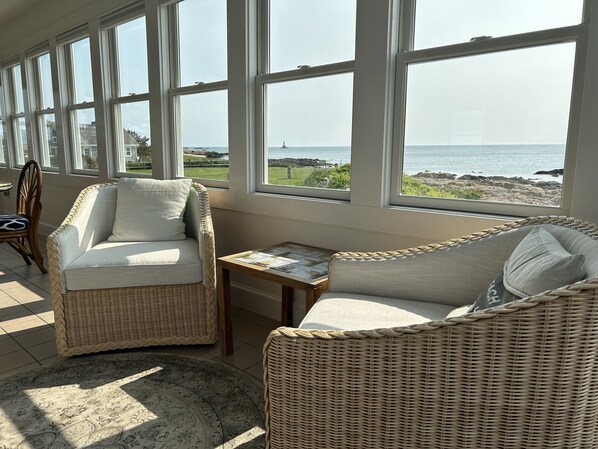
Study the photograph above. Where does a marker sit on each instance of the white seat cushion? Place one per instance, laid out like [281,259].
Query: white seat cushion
[135,264]
[359,312]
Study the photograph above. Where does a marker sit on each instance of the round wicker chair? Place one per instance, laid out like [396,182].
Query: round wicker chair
[157,312]
[522,375]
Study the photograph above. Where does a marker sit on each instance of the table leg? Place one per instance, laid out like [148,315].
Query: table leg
[311,296]
[226,328]
[287,306]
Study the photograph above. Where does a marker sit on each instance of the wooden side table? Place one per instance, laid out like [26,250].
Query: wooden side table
[290,264]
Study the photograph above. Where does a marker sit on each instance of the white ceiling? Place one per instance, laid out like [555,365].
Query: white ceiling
[12,8]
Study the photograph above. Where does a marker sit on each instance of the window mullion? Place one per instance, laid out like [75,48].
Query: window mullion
[264,32]
[407,25]
[173,48]
[114,63]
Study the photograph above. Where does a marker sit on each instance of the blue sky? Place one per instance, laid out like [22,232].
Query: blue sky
[507,97]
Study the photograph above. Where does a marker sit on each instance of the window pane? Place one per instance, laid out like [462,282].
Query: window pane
[21,147]
[81,59]
[309,132]
[85,142]
[202,54]
[135,152]
[17,89]
[132,57]
[204,135]
[311,32]
[45,75]
[48,140]
[502,114]
[438,22]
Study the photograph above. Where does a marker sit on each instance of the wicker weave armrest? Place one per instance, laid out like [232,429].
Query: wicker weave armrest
[198,221]
[523,375]
[88,223]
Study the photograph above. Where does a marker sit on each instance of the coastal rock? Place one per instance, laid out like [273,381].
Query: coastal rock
[429,174]
[555,172]
[501,189]
[297,162]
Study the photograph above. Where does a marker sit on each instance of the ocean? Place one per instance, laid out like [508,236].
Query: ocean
[482,160]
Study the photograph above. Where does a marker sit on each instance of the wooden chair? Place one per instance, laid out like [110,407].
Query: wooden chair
[20,230]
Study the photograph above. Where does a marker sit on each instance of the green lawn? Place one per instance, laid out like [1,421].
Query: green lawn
[276,175]
[279,176]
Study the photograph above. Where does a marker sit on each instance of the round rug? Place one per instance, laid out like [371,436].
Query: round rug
[132,400]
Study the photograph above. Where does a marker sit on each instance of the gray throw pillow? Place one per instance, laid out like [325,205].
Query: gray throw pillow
[495,296]
[540,263]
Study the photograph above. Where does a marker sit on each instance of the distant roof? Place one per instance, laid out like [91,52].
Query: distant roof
[88,133]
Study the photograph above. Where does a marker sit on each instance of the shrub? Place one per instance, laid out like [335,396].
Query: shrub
[338,177]
[415,187]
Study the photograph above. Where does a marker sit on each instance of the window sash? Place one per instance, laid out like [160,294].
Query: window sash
[174,100]
[75,138]
[265,78]
[42,137]
[109,24]
[3,142]
[120,149]
[262,82]
[177,91]
[20,145]
[178,154]
[37,97]
[407,56]
[16,91]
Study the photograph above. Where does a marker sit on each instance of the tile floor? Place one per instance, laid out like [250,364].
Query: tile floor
[27,337]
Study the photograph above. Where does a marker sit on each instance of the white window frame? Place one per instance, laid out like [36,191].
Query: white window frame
[265,78]
[74,137]
[39,112]
[4,157]
[14,132]
[109,24]
[177,91]
[406,55]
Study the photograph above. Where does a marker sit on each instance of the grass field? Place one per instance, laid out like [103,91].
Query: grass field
[276,175]
[280,176]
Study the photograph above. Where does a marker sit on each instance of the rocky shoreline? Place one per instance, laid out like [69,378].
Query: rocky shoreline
[499,188]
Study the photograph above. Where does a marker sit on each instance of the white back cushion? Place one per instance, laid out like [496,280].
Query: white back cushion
[150,210]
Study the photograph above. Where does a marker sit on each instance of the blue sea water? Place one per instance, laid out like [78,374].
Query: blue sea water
[483,160]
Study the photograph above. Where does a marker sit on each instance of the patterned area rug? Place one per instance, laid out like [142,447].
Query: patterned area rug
[132,400]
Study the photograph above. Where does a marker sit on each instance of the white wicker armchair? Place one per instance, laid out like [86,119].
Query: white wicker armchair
[161,310]
[522,375]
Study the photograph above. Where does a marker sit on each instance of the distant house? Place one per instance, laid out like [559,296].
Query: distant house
[89,142]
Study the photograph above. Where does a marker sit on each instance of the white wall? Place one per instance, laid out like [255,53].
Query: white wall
[243,219]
